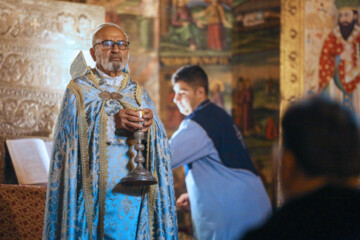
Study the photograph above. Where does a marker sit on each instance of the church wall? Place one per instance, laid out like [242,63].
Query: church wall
[256,76]
[38,41]
[193,42]
[305,27]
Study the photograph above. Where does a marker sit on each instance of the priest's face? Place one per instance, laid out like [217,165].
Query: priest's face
[347,21]
[346,17]
[186,97]
[110,60]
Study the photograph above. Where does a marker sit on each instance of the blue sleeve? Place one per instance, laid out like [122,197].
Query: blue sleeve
[189,143]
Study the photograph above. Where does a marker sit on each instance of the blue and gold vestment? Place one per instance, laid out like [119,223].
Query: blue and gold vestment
[84,197]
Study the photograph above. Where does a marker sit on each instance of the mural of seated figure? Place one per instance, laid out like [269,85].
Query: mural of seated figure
[184,29]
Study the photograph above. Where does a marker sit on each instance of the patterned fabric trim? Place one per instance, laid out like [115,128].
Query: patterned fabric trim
[93,77]
[89,210]
[139,90]
[128,106]
[103,170]
[138,93]
[124,82]
[153,189]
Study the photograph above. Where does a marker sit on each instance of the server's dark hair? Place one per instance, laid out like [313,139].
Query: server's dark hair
[193,75]
[324,138]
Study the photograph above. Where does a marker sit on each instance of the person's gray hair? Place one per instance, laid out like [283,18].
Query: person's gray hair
[103,25]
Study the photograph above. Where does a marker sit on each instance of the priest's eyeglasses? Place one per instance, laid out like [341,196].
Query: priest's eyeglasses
[109,44]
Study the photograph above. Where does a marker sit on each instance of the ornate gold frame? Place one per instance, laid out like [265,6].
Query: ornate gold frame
[291,65]
[291,52]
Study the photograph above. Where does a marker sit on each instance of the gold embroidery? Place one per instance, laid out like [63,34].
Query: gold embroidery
[78,67]
[118,96]
[138,93]
[129,106]
[152,191]
[91,75]
[124,81]
[103,169]
[89,211]
[151,201]
[148,151]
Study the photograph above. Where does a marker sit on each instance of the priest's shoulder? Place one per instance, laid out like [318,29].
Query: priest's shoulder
[87,79]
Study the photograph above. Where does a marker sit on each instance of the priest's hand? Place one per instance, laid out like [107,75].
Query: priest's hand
[183,203]
[130,120]
[148,118]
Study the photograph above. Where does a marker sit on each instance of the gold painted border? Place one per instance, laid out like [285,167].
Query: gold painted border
[292,52]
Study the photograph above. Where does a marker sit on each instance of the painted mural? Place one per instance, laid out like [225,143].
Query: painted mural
[332,56]
[256,95]
[255,26]
[256,107]
[321,54]
[196,28]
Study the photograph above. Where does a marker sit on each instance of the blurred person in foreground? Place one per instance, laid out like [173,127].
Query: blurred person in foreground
[224,191]
[320,165]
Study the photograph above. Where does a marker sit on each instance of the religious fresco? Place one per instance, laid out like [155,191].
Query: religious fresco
[320,53]
[220,85]
[255,26]
[256,74]
[137,18]
[195,28]
[332,57]
[170,114]
[255,109]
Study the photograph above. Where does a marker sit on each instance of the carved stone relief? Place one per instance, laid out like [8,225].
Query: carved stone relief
[38,42]
[48,23]
[23,111]
[37,68]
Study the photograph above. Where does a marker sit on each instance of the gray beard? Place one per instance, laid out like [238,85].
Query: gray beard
[113,66]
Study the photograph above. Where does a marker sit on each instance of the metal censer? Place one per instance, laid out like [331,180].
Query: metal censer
[139,176]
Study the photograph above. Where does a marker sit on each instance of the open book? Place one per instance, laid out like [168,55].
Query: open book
[31,159]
